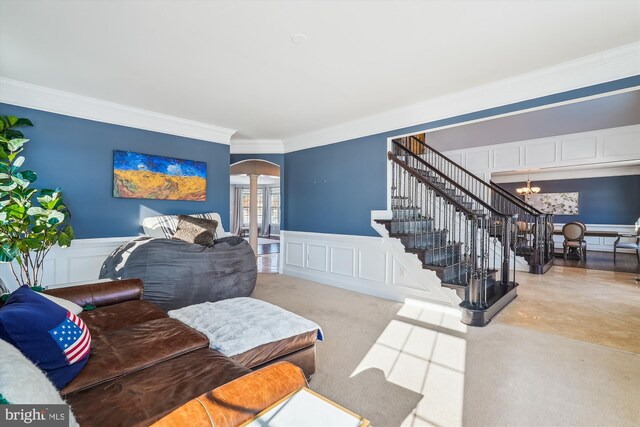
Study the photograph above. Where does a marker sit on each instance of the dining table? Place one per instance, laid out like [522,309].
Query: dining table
[597,233]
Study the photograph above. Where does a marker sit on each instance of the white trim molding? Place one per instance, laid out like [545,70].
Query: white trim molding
[369,265]
[80,262]
[257,146]
[598,68]
[55,101]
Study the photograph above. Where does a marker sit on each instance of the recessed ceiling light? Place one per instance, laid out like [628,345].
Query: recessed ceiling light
[299,38]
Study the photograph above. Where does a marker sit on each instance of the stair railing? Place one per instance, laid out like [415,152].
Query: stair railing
[454,190]
[533,229]
[446,233]
[546,236]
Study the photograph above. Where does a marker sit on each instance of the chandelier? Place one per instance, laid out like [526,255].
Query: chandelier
[528,189]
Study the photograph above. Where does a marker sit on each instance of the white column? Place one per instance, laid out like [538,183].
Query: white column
[253,212]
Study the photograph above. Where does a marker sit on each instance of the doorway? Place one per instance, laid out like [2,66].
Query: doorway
[269,209]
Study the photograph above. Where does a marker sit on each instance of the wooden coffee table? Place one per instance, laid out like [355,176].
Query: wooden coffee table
[306,408]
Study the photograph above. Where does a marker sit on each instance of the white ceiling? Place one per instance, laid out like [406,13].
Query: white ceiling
[232,63]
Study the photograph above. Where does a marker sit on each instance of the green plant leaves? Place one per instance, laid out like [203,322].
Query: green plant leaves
[32,243]
[8,252]
[12,133]
[30,176]
[23,122]
[47,201]
[16,144]
[37,211]
[7,185]
[55,217]
[9,122]
[15,210]
[65,237]
[23,183]
[18,161]
[29,222]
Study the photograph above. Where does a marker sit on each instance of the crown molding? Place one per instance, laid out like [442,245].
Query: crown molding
[257,146]
[55,101]
[598,68]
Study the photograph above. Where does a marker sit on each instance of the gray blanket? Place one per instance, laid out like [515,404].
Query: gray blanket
[237,325]
[177,274]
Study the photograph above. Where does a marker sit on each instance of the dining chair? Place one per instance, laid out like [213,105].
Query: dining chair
[627,245]
[573,233]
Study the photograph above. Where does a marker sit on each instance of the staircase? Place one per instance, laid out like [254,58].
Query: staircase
[467,231]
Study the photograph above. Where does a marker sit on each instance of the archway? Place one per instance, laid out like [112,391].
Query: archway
[256,207]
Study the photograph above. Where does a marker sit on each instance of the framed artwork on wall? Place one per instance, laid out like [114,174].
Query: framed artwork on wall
[145,176]
[554,203]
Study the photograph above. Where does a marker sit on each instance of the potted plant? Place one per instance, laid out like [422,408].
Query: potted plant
[32,221]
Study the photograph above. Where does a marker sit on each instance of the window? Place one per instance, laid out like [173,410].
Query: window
[275,205]
[246,203]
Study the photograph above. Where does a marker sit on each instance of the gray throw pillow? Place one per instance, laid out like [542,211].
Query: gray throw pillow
[196,230]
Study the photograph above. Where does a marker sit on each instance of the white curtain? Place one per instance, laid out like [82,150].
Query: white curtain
[236,210]
[266,211]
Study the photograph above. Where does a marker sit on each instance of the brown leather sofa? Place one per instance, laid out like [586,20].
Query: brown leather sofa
[145,365]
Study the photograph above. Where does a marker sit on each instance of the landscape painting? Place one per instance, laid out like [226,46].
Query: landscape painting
[145,176]
[555,203]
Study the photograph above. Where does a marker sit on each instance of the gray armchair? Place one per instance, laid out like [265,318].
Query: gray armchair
[573,233]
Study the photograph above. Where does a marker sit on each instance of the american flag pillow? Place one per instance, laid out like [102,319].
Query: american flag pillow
[53,338]
[73,338]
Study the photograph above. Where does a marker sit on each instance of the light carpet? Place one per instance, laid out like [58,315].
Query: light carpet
[411,364]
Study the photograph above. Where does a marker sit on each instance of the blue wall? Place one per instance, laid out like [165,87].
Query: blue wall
[333,188]
[607,200]
[77,155]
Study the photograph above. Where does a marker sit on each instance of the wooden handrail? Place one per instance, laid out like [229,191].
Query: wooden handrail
[451,181]
[527,207]
[514,199]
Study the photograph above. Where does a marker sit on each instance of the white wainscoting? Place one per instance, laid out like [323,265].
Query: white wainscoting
[601,244]
[81,262]
[370,265]
[606,146]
